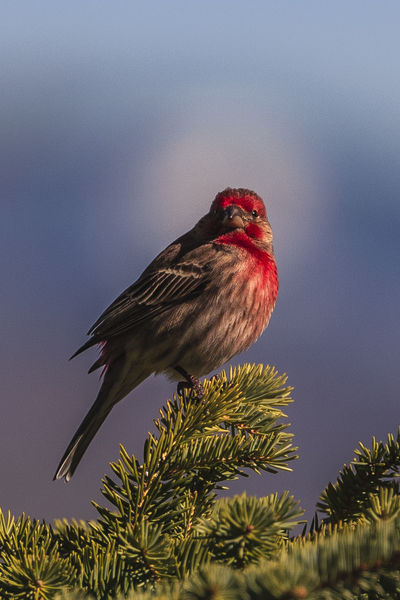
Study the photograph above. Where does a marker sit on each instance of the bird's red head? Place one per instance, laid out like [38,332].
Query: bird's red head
[249,201]
[239,217]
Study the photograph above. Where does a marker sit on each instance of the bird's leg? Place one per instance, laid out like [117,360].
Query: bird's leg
[190,382]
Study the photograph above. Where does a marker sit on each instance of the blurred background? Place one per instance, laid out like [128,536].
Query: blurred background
[119,123]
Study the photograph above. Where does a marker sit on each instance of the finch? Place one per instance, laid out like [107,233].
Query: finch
[208,296]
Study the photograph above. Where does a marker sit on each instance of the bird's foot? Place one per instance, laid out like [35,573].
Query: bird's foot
[190,383]
[194,386]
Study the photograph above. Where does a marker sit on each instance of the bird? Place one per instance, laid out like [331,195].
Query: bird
[207,297]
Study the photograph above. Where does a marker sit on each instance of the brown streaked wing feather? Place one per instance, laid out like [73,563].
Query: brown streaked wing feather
[153,293]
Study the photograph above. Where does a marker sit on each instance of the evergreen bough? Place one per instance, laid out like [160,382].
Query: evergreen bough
[165,532]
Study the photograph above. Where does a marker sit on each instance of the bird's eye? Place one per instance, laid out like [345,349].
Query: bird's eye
[254,213]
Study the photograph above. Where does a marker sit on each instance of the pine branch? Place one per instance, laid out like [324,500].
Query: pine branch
[352,564]
[200,445]
[371,469]
[244,530]
[165,535]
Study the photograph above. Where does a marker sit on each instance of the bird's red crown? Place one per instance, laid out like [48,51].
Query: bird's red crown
[246,199]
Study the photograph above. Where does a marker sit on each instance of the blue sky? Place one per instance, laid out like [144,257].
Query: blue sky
[119,123]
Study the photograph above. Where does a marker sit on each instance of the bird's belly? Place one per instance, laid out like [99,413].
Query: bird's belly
[216,333]
[203,334]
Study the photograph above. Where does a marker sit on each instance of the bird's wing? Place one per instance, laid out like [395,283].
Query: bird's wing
[154,292]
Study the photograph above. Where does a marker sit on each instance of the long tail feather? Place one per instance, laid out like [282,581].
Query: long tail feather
[111,392]
[81,441]
[92,342]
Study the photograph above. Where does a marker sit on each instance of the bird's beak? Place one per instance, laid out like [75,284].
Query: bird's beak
[233,217]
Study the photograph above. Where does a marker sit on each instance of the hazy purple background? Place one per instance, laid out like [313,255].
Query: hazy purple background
[119,122]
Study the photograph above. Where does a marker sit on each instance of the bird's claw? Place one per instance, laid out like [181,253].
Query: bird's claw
[194,386]
[190,383]
[182,387]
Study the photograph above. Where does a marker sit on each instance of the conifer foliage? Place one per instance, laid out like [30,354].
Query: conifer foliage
[165,530]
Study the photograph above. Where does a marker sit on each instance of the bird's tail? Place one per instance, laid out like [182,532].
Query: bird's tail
[111,392]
